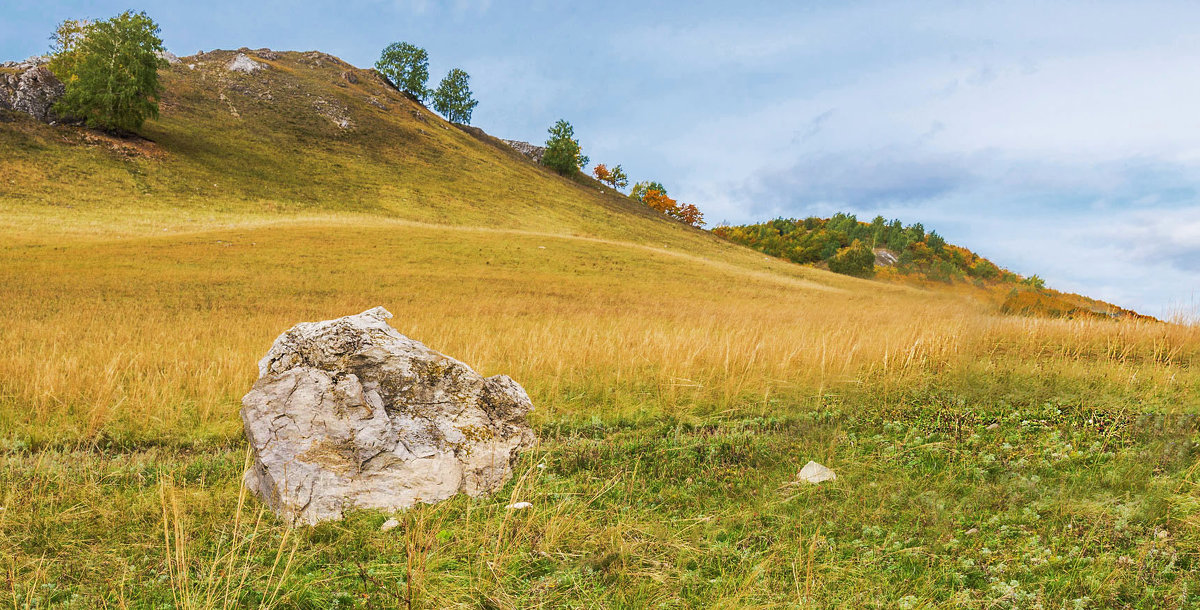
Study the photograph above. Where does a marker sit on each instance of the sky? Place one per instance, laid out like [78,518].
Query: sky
[1057,139]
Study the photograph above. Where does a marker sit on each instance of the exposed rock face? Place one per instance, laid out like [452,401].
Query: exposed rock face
[169,57]
[32,62]
[243,63]
[349,413]
[337,113]
[885,257]
[529,150]
[33,91]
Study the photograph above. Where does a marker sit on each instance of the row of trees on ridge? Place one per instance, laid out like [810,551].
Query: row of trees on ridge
[110,71]
[407,67]
[848,246]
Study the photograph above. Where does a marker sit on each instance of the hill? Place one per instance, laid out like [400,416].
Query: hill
[296,133]
[680,381]
[896,252]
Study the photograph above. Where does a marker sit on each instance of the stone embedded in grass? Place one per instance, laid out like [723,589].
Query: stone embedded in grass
[389,524]
[349,413]
[519,505]
[815,473]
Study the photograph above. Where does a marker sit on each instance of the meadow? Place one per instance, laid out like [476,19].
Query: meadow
[984,460]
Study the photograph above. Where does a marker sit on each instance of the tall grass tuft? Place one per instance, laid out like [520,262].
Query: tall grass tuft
[228,577]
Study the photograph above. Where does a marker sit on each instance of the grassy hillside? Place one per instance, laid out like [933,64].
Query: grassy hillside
[983,461]
[273,141]
[909,255]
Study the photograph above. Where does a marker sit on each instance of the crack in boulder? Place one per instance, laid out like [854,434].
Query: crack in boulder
[354,391]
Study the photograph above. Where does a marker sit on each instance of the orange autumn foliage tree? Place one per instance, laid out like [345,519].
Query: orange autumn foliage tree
[690,214]
[660,202]
[614,177]
[602,174]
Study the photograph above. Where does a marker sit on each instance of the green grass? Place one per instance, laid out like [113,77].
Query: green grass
[1054,507]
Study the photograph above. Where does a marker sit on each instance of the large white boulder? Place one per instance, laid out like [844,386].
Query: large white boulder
[349,413]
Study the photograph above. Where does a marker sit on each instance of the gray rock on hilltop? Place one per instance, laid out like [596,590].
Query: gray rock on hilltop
[885,257]
[32,62]
[32,91]
[532,151]
[243,63]
[168,57]
[349,413]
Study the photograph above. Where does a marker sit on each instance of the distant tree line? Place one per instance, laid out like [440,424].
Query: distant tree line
[848,246]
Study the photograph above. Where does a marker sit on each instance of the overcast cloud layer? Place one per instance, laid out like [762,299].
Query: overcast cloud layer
[1057,140]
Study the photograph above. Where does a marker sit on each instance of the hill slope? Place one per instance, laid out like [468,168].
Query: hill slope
[305,133]
[894,252]
[680,381]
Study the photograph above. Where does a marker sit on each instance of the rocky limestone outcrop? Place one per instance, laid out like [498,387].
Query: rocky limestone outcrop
[169,57]
[32,62]
[243,63]
[349,413]
[885,257]
[33,90]
[532,151]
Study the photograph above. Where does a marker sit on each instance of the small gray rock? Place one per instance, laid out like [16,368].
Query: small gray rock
[390,524]
[815,473]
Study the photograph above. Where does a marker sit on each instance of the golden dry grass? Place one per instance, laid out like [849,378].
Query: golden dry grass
[155,337]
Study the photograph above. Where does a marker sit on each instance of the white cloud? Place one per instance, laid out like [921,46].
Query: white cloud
[1070,152]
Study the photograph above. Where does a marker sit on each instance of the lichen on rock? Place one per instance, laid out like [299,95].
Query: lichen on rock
[33,90]
[349,413]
